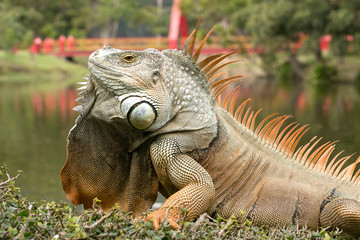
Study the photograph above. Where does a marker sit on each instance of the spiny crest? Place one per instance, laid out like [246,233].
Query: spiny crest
[208,66]
[272,130]
[81,98]
[285,138]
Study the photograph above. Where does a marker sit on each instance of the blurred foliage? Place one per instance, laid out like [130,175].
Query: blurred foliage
[322,75]
[107,14]
[10,27]
[23,219]
[276,24]
[357,81]
[20,19]
[273,25]
[284,74]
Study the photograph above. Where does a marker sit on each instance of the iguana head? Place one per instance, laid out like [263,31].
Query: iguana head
[153,87]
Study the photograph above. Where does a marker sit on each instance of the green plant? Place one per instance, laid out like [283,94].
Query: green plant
[322,75]
[23,219]
[285,74]
[357,81]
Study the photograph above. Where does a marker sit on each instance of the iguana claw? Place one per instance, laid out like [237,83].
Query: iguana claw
[159,216]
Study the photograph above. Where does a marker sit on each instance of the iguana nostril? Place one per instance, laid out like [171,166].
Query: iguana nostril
[141,115]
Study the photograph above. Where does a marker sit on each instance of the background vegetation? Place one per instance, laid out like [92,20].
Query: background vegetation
[22,20]
[273,26]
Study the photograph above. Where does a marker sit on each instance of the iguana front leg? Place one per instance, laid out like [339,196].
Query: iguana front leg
[180,171]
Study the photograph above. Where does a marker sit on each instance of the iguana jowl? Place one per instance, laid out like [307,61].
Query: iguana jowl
[149,122]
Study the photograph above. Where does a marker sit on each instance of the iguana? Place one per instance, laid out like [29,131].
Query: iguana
[149,122]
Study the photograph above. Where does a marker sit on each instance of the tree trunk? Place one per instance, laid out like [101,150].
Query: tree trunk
[320,59]
[299,71]
[319,56]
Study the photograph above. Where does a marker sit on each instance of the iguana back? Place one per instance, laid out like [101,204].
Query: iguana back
[149,122]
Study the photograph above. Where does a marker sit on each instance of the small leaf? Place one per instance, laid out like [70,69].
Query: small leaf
[24,213]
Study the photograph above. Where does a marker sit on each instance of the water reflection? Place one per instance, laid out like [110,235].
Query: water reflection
[34,125]
[332,113]
[33,129]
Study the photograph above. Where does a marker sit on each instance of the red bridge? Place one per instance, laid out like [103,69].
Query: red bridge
[71,47]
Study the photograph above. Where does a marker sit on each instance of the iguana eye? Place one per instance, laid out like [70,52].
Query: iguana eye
[128,58]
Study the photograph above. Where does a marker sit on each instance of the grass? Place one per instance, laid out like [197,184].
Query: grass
[23,219]
[23,68]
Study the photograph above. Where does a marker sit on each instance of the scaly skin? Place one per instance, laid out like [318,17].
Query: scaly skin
[149,123]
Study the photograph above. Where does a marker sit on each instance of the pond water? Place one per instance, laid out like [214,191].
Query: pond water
[33,128]
[34,125]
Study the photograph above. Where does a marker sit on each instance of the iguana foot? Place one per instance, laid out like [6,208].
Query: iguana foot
[160,215]
[342,213]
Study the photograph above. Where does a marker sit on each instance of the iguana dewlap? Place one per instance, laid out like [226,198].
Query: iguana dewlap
[149,122]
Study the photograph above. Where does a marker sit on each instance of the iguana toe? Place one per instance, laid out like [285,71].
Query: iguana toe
[160,215]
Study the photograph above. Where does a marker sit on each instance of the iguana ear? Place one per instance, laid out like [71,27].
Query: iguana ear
[98,165]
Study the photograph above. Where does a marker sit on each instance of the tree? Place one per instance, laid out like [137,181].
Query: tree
[277,24]
[47,18]
[10,27]
[107,15]
[111,16]
[101,18]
